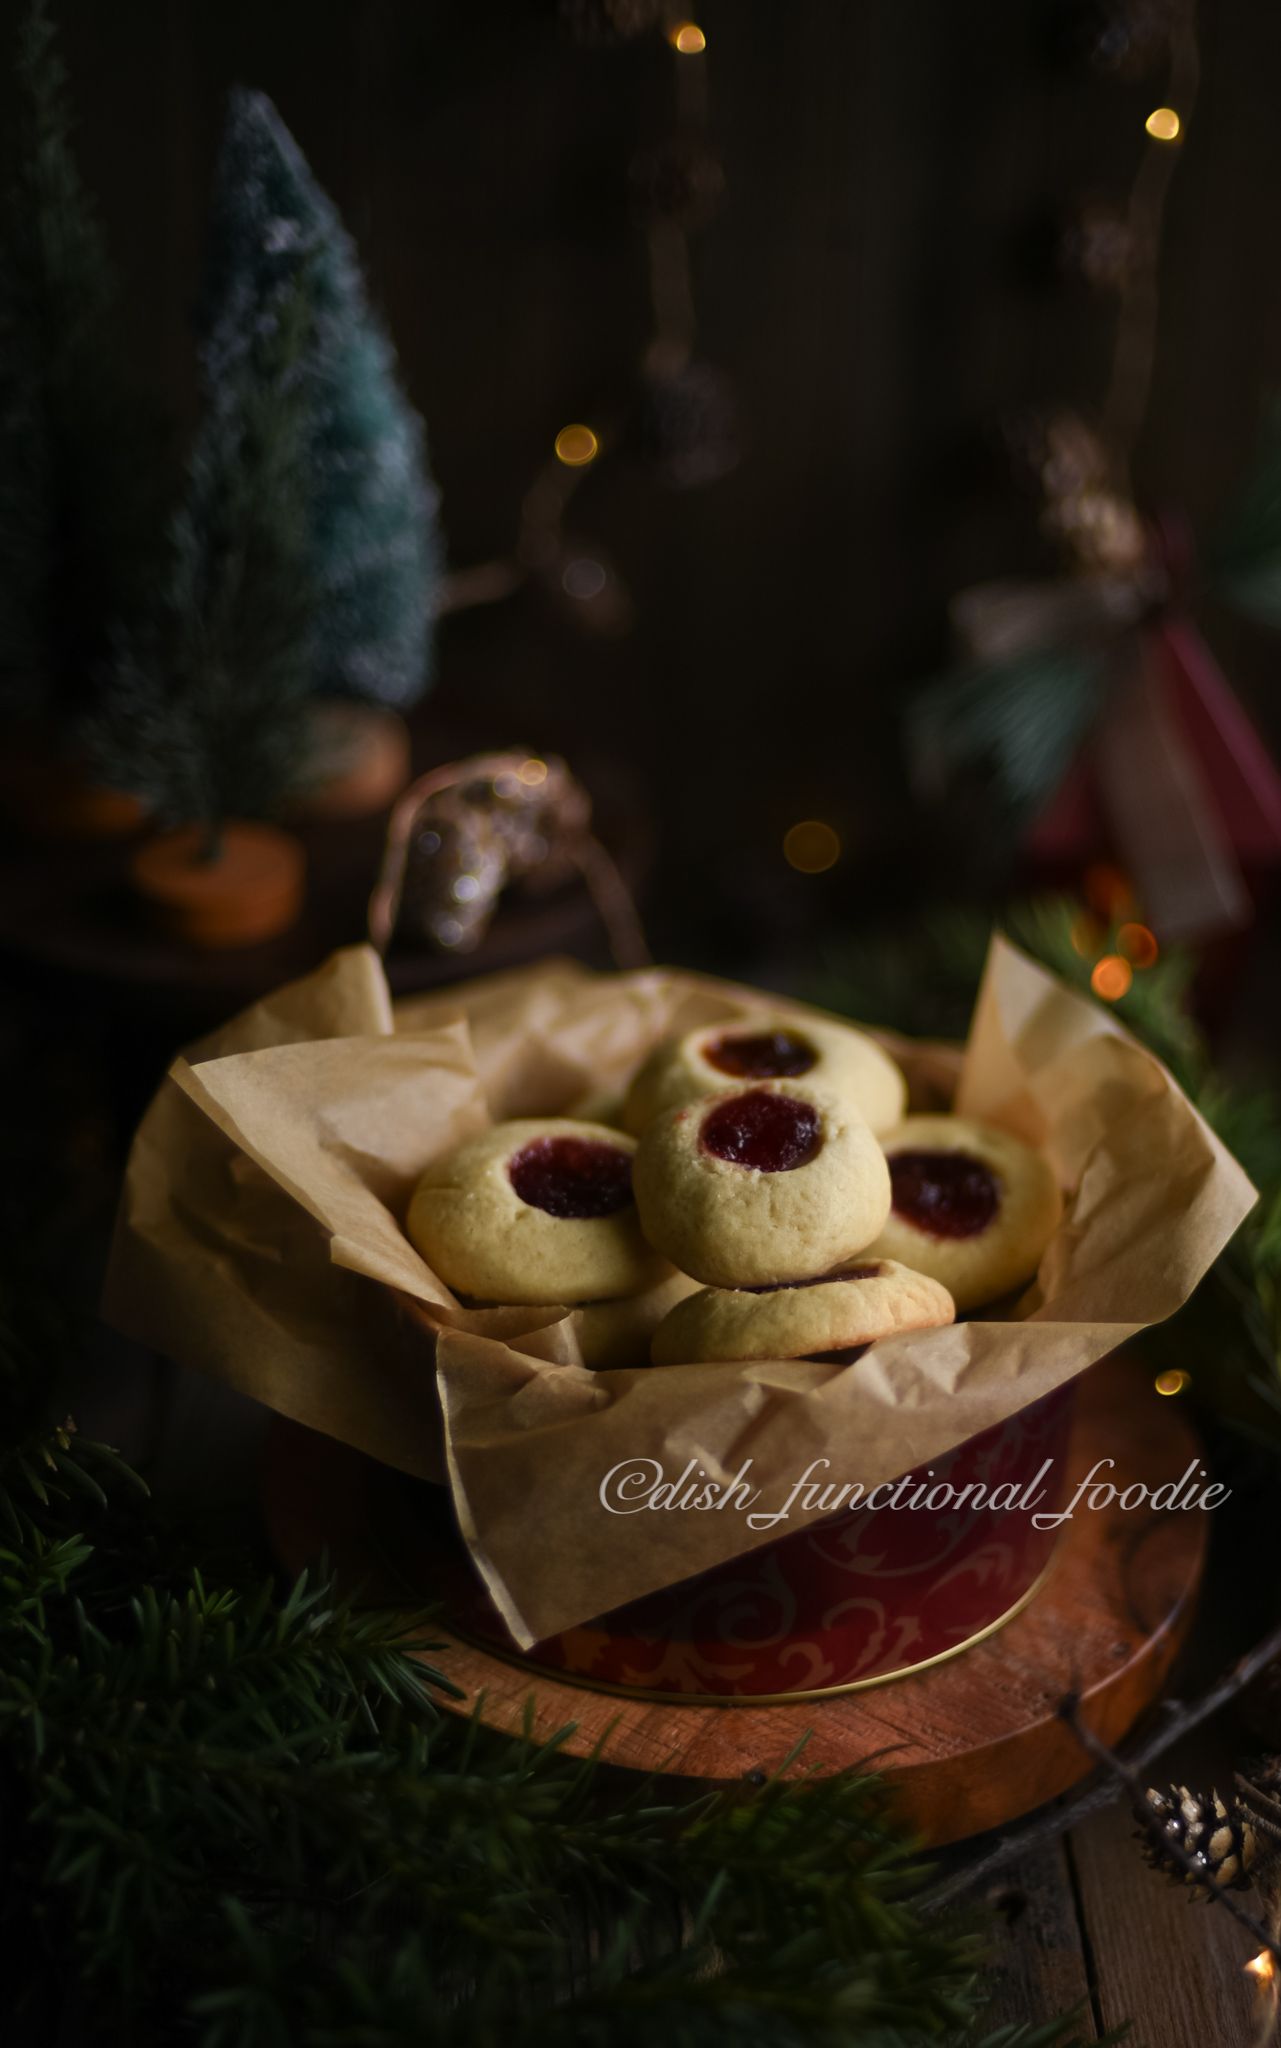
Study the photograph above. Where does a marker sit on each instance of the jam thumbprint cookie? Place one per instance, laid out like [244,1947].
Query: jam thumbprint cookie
[763,1184]
[826,1319]
[768,1049]
[538,1210]
[971,1206]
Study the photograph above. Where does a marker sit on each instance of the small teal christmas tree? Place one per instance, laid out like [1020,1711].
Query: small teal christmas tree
[206,715]
[373,546]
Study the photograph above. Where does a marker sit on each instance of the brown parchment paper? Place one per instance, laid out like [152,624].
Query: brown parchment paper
[260,1239]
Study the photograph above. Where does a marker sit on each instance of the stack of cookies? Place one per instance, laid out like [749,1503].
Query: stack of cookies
[766,1198]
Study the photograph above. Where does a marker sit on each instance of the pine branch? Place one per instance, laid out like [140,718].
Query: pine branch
[1020,719]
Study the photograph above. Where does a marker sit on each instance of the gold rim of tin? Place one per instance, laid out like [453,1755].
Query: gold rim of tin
[751,1699]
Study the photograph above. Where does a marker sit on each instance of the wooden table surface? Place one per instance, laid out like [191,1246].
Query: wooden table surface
[1084,1921]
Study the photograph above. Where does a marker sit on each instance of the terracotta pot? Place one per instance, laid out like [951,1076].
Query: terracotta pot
[252,891]
[50,797]
[361,760]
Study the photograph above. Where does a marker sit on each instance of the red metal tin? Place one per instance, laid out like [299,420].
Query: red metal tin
[852,1601]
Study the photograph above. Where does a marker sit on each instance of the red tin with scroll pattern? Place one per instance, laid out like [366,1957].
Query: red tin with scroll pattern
[854,1600]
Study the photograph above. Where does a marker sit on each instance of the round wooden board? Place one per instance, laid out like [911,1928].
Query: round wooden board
[969,1744]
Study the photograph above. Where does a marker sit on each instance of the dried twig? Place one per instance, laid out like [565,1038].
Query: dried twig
[1127,400]
[1047,1827]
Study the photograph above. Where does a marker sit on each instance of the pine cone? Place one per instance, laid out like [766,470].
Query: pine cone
[1221,1842]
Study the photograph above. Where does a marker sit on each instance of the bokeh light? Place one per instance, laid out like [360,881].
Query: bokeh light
[1109,891]
[576,445]
[584,578]
[532,773]
[1172,1382]
[1163,124]
[1086,935]
[687,37]
[811,847]
[1138,945]
[1112,977]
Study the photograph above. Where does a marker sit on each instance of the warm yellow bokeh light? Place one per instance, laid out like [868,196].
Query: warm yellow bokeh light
[576,445]
[811,847]
[687,37]
[1172,1382]
[1112,977]
[1261,1966]
[1138,945]
[532,773]
[1086,935]
[1108,891]
[1163,124]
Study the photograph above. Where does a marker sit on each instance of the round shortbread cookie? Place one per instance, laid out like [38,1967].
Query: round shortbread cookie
[537,1210]
[613,1334]
[770,1048]
[971,1206]
[763,1184]
[803,1318]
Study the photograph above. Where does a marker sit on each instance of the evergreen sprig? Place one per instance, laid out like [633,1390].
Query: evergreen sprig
[1020,720]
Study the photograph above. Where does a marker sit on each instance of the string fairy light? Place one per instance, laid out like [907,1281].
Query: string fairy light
[688,38]
[1163,124]
[576,446]
[1087,935]
[1112,977]
[686,414]
[1172,1382]
[1138,945]
[811,847]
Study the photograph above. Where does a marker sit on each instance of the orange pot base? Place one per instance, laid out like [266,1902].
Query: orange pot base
[251,892]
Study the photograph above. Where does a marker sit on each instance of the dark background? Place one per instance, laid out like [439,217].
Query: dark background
[880,285]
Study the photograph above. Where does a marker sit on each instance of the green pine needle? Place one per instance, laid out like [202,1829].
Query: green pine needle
[1021,719]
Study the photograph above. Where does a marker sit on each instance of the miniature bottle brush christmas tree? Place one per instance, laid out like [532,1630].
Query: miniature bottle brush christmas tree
[373,550]
[303,555]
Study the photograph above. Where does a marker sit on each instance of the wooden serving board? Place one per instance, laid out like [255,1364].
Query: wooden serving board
[969,1744]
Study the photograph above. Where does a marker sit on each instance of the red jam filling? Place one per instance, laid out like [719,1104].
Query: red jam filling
[764,1056]
[772,1133]
[819,1280]
[945,1194]
[572,1176]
